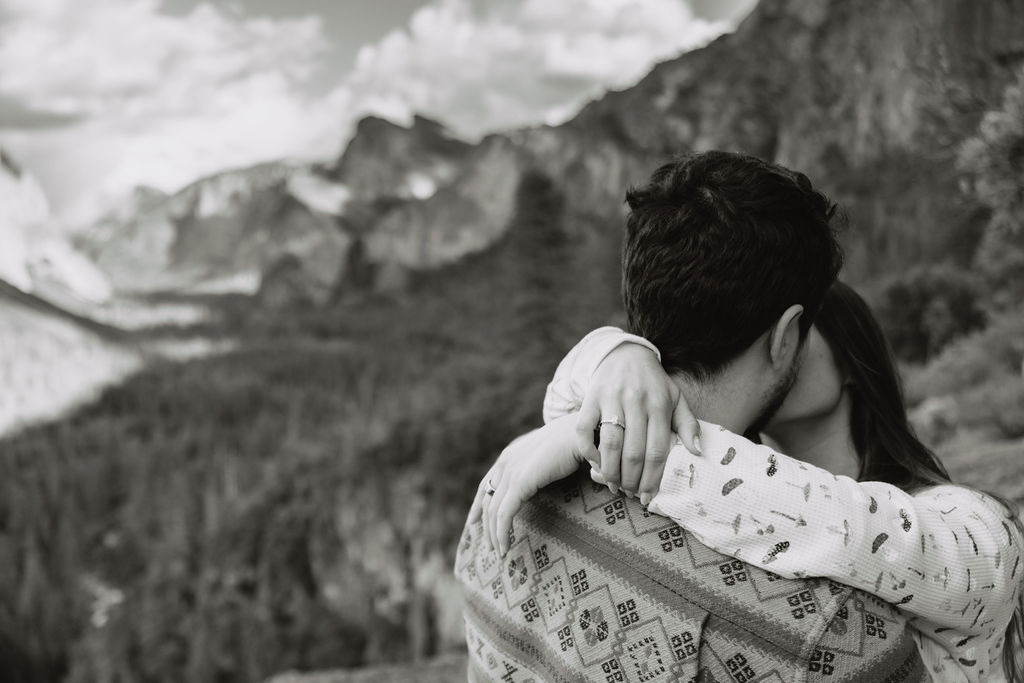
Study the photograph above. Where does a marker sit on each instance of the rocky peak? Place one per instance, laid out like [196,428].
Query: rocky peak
[35,256]
[385,159]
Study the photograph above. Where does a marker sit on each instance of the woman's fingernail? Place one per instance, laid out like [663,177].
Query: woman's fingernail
[645,498]
[696,444]
[614,487]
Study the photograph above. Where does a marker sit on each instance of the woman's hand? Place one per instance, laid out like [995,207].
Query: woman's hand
[527,465]
[630,386]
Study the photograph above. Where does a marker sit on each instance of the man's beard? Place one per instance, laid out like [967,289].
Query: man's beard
[774,398]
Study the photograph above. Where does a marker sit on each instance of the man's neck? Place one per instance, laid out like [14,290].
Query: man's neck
[719,401]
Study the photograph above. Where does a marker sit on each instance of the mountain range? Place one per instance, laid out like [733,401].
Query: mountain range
[871,100]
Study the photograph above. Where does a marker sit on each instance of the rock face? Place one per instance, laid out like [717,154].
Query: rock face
[870,99]
[24,207]
[385,158]
[220,233]
[467,214]
[34,257]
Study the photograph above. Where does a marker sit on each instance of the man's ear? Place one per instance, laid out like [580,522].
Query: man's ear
[784,341]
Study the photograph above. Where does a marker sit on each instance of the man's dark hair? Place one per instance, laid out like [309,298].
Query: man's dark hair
[718,245]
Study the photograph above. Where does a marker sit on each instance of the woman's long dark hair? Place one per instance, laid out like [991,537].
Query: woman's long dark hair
[886,445]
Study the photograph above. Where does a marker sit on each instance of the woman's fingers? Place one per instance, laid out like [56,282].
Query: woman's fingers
[492,480]
[586,423]
[476,510]
[610,448]
[491,517]
[686,426]
[659,440]
[634,444]
[507,508]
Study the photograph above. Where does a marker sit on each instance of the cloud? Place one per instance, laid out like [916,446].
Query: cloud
[98,57]
[154,99]
[489,66]
[101,96]
[16,114]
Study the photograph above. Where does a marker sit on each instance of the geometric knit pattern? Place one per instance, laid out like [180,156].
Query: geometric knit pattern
[595,588]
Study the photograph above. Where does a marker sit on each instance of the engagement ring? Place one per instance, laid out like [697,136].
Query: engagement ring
[612,421]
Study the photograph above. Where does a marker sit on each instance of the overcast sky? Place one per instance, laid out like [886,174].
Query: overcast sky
[100,96]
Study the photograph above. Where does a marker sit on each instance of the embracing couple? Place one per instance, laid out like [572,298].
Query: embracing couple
[757,507]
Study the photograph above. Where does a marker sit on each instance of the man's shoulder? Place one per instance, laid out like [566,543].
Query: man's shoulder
[594,582]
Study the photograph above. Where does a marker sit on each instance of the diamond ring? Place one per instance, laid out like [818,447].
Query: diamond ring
[612,421]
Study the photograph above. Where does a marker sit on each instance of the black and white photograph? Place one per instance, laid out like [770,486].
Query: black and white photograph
[511,341]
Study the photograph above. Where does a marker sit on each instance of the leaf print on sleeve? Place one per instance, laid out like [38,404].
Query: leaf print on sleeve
[776,550]
[805,489]
[973,542]
[730,486]
[844,532]
[798,520]
[906,520]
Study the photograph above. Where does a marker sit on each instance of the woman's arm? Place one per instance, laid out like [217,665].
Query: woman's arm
[567,389]
[527,465]
[947,554]
[631,388]
[555,450]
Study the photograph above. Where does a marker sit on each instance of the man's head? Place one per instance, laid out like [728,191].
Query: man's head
[728,257]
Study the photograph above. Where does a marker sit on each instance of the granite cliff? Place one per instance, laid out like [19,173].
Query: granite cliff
[35,257]
[220,233]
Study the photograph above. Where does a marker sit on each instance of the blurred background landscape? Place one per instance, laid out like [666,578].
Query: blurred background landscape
[253,372]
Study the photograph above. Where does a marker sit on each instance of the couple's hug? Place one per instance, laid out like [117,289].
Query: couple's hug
[756,506]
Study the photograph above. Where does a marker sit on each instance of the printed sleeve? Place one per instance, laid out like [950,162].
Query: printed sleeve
[948,554]
[572,378]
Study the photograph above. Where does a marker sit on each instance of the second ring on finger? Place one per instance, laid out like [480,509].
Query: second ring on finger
[492,512]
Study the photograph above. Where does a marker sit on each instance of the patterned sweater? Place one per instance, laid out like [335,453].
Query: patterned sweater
[947,556]
[594,588]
